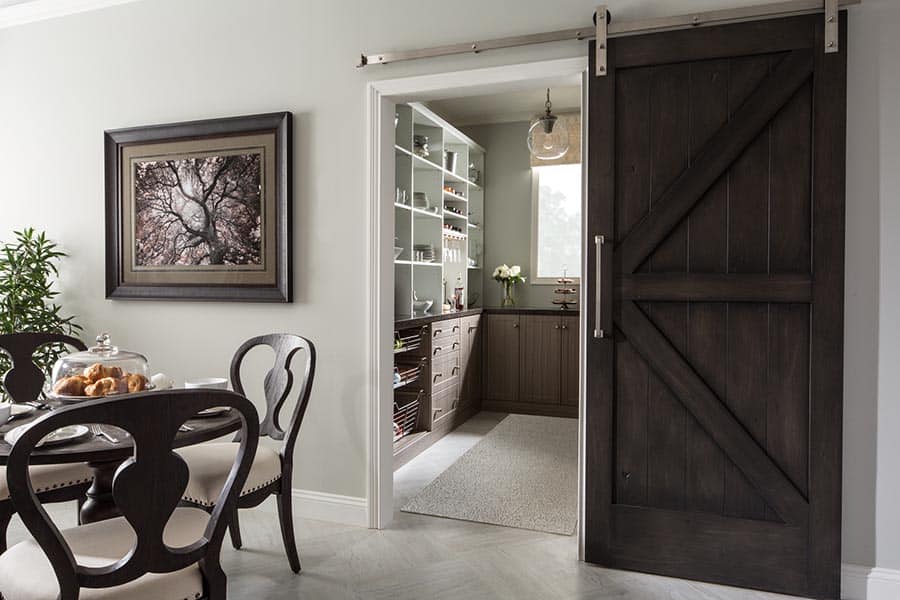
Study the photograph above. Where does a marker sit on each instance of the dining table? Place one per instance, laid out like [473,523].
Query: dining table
[105,450]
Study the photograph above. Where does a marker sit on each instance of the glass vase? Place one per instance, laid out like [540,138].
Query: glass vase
[508,299]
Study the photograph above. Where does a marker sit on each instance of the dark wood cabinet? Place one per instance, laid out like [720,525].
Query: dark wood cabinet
[540,360]
[501,361]
[531,363]
[470,362]
[570,357]
[449,387]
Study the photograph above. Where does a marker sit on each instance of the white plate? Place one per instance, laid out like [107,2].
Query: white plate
[64,435]
[215,411]
[20,410]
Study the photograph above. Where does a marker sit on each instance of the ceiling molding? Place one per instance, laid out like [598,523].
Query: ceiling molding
[41,10]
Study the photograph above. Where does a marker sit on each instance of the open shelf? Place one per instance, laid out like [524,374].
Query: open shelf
[427,213]
[446,191]
[456,197]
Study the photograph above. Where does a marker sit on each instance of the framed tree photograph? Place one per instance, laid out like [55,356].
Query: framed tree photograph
[200,210]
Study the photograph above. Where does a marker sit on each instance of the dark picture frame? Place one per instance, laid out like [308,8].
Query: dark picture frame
[259,266]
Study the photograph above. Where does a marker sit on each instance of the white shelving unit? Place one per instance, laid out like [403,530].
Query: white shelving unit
[436,206]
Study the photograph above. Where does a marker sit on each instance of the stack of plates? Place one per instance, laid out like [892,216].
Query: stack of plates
[424,252]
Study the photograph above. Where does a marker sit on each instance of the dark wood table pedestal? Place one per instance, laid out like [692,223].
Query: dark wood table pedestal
[100,504]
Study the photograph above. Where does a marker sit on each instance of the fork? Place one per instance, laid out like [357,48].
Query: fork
[95,429]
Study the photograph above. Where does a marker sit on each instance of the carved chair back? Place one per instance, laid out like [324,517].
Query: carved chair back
[24,382]
[147,487]
[278,384]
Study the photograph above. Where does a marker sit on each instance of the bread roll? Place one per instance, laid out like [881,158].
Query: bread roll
[70,386]
[136,382]
[97,371]
[104,387]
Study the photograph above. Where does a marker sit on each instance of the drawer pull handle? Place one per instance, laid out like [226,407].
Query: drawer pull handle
[515,325]
[455,328]
[454,371]
[556,327]
[438,332]
[437,376]
[437,350]
[455,345]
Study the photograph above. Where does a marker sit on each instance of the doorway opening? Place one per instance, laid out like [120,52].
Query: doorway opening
[460,380]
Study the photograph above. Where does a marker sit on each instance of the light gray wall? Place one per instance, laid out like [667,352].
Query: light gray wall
[508,210]
[66,80]
[875,108]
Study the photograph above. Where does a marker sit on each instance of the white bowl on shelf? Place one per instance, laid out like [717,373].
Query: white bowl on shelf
[422,306]
[397,252]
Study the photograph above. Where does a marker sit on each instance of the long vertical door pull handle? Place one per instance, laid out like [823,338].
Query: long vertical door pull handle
[599,333]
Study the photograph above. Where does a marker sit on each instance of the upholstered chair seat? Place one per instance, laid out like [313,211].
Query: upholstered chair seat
[210,463]
[51,477]
[26,572]
[156,549]
[272,471]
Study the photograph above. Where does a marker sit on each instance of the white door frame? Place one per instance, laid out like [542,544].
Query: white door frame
[381,99]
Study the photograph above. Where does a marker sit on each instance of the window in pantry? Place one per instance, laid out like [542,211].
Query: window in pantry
[556,227]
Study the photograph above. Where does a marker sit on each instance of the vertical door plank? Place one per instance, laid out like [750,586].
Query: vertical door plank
[632,380]
[790,252]
[707,253]
[827,348]
[790,185]
[788,410]
[669,157]
[748,252]
[632,148]
[632,169]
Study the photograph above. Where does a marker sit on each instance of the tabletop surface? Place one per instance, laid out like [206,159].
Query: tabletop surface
[98,449]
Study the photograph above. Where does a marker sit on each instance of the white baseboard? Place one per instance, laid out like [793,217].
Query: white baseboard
[869,583]
[321,506]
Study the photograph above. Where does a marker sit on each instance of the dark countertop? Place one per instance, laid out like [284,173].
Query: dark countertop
[530,310]
[408,322]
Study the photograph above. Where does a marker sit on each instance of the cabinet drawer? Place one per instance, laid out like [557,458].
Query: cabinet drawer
[442,330]
[444,346]
[445,371]
[444,402]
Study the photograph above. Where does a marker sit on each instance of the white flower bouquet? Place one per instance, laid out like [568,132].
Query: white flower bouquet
[508,278]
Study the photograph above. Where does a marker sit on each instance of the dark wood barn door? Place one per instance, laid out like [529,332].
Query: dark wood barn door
[716,178]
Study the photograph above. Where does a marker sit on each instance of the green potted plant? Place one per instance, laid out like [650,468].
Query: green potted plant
[28,269]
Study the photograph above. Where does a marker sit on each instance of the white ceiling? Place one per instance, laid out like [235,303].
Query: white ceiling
[508,106]
[20,12]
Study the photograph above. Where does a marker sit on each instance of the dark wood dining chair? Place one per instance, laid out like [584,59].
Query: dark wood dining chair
[155,549]
[24,382]
[272,470]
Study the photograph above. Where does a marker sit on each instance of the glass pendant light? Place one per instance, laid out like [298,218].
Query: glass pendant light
[545,140]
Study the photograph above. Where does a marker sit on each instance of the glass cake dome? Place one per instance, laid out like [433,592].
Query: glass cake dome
[101,370]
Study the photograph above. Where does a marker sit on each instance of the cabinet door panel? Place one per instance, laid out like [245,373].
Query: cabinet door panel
[501,364]
[540,359]
[570,358]
[470,361]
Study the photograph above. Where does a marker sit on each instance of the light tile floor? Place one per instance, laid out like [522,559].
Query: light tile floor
[428,558]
